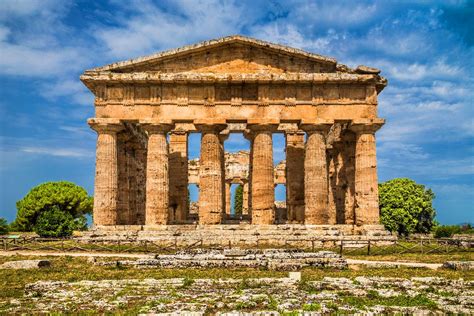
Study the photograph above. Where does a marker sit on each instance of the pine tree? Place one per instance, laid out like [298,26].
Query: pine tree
[238,200]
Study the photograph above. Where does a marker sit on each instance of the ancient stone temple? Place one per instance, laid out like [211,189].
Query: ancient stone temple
[145,109]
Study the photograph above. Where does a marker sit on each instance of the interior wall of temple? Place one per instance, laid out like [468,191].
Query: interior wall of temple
[131,159]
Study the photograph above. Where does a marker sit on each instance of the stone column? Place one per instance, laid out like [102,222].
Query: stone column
[295,175]
[316,176]
[366,183]
[178,166]
[106,175]
[211,175]
[245,198]
[157,178]
[228,202]
[262,187]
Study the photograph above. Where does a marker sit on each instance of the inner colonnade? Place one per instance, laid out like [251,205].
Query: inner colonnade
[146,108]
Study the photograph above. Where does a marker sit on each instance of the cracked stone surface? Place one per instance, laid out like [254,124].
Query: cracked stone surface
[367,295]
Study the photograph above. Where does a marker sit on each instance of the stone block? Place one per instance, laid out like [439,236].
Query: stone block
[26,264]
[459,265]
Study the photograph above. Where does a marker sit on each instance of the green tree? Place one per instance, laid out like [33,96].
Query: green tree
[406,207]
[238,200]
[66,196]
[54,222]
[3,226]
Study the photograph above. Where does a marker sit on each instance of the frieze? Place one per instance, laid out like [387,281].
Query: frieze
[235,94]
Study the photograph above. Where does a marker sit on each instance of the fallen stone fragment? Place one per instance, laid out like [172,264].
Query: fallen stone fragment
[459,265]
[26,264]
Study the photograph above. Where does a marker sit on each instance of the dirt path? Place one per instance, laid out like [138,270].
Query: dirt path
[369,263]
[76,254]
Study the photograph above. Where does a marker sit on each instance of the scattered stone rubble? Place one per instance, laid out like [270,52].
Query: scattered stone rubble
[368,295]
[26,264]
[272,259]
[459,265]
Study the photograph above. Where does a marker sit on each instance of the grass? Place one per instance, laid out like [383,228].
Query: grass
[12,282]
[417,257]
[71,269]
[373,298]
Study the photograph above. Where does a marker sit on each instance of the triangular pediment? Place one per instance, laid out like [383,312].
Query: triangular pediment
[233,54]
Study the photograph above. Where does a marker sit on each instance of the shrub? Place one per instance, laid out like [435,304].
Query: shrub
[55,223]
[446,231]
[67,196]
[406,207]
[3,226]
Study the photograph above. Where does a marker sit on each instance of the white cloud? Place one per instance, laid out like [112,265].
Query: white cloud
[150,28]
[60,152]
[68,88]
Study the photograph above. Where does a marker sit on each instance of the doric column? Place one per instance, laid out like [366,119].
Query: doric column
[106,174]
[228,202]
[316,176]
[295,175]
[262,187]
[211,175]
[366,184]
[178,170]
[157,178]
[245,198]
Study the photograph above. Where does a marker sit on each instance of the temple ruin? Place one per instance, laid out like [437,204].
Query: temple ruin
[145,109]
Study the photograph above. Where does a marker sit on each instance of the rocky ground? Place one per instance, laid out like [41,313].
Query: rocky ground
[232,282]
[277,295]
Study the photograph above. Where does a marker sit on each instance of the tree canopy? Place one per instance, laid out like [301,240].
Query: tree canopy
[406,207]
[3,226]
[66,196]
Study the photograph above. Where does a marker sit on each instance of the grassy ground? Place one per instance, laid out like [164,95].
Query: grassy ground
[417,257]
[12,282]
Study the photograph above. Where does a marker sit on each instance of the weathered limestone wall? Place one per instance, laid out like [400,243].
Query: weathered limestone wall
[247,235]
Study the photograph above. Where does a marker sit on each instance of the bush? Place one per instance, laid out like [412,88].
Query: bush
[447,231]
[406,207]
[3,226]
[67,196]
[55,223]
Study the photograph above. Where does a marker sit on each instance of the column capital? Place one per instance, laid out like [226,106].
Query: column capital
[210,125]
[253,128]
[317,125]
[105,125]
[294,132]
[367,126]
[178,132]
[156,126]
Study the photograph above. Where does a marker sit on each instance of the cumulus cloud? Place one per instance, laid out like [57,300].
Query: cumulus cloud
[149,27]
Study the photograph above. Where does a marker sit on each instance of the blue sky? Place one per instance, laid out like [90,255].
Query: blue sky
[425,49]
